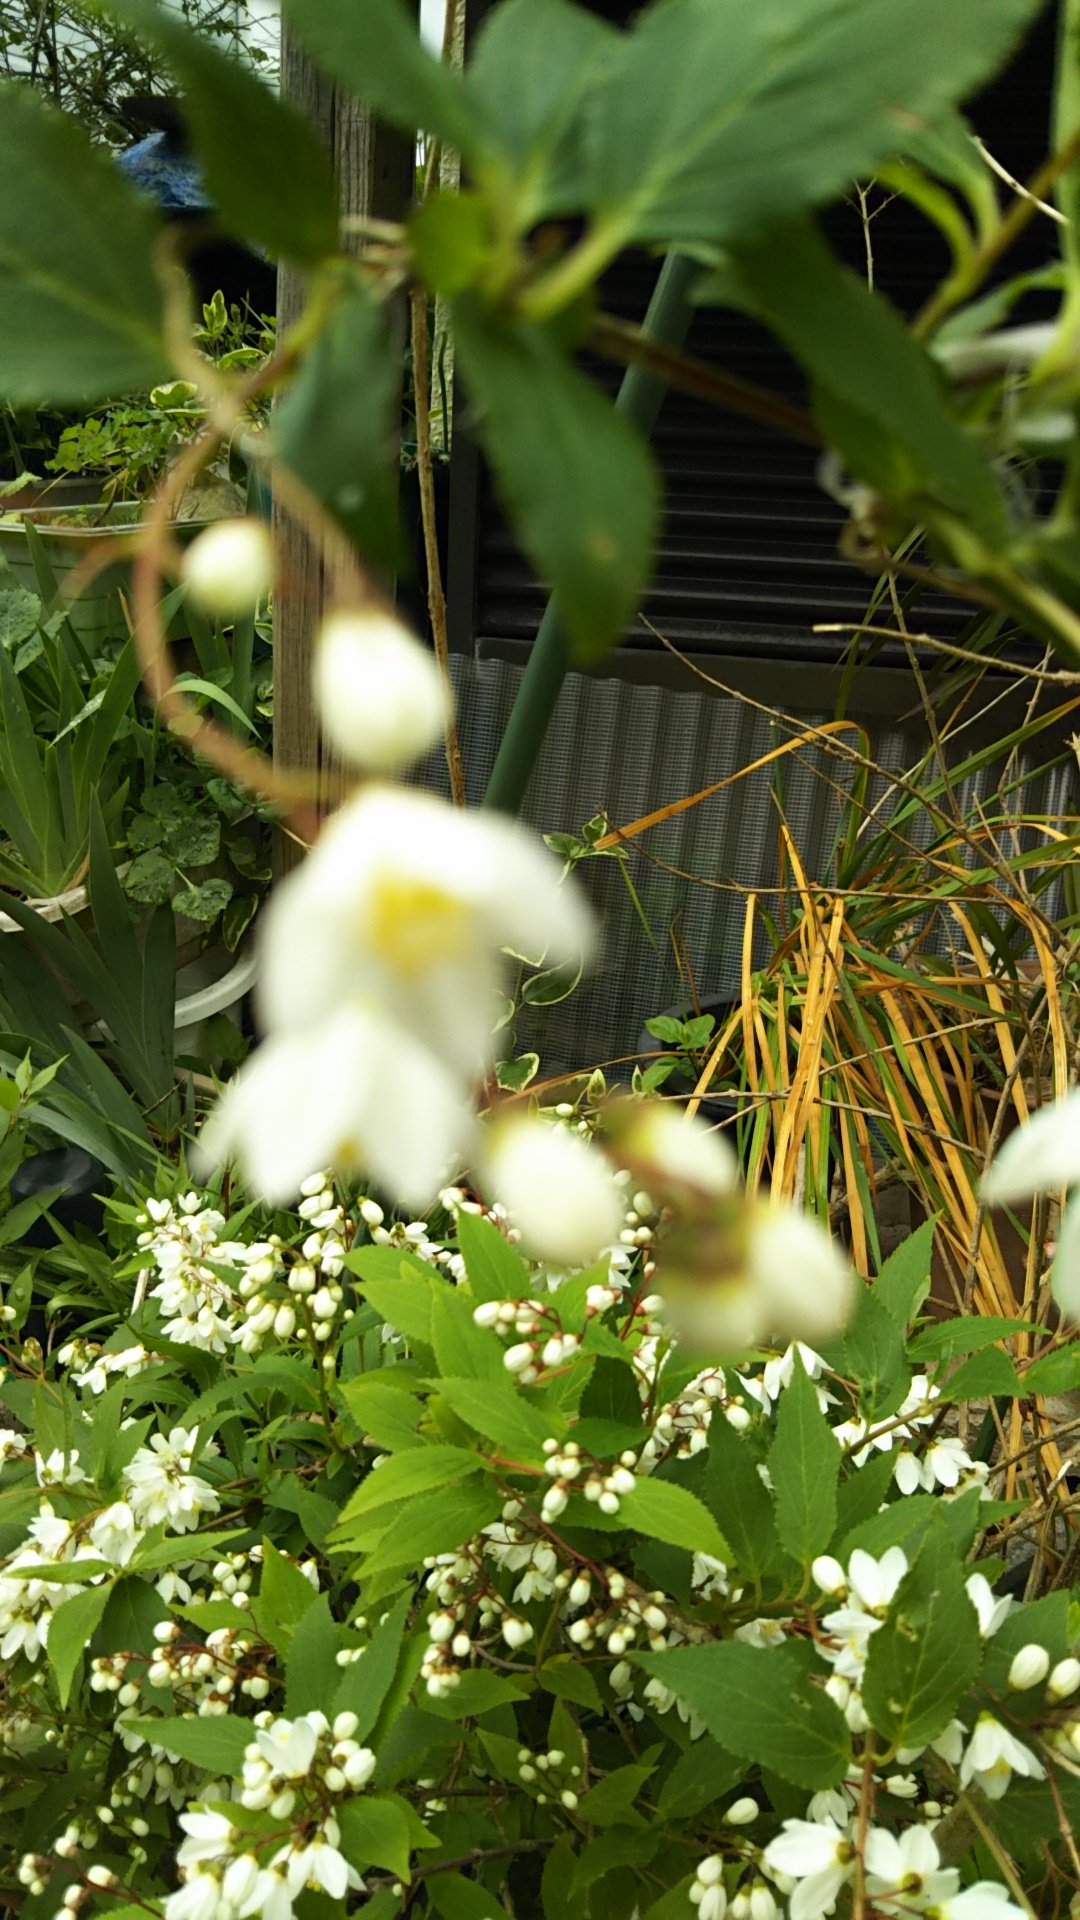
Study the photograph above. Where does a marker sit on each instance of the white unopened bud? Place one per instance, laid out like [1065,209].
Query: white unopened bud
[230,567]
[284,1323]
[381,698]
[742,1812]
[829,1574]
[517,1358]
[516,1633]
[1064,1679]
[559,1190]
[1029,1666]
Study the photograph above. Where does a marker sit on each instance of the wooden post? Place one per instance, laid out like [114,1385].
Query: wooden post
[374,169]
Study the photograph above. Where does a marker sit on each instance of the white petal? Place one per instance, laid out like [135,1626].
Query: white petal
[1065,1272]
[805,1281]
[381,699]
[1042,1155]
[353,1094]
[817,1895]
[560,1191]
[804,1847]
[883,1857]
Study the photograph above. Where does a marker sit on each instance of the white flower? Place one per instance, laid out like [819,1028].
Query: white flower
[806,1283]
[318,1865]
[993,1756]
[288,1746]
[198,1899]
[114,1535]
[60,1469]
[779,1373]
[874,1582]
[991,1611]
[209,1835]
[160,1486]
[681,1150]
[230,567]
[406,902]
[560,1191]
[355,1091]
[909,1864]
[1029,1666]
[819,1856]
[381,698]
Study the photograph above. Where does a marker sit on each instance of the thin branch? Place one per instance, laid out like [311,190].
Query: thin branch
[617,340]
[436,598]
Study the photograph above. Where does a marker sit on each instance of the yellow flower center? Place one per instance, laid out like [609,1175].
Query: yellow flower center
[413,924]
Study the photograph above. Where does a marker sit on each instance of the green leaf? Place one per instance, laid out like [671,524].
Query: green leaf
[20,612]
[80,305]
[451,241]
[734,1491]
[927,1654]
[283,1598]
[567,1677]
[463,1349]
[713,119]
[374,1833]
[804,1466]
[204,902]
[699,1776]
[372,48]
[70,1631]
[194,840]
[437,1523]
[1042,1623]
[759,1703]
[387,1413]
[214,1741]
[553,985]
[404,1475]
[399,1286]
[611,1852]
[502,1414]
[534,62]
[982,1376]
[337,425]
[515,1075]
[900,434]
[611,1802]
[1057,1372]
[863,1492]
[367,1681]
[874,1356]
[266,173]
[459,1899]
[577,482]
[312,1674]
[950,1338]
[666,1512]
[495,1269]
[149,879]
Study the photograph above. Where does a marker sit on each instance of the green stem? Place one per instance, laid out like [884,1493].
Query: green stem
[574,273]
[639,399]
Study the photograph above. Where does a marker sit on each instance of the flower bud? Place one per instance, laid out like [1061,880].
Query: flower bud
[1064,1679]
[1029,1666]
[742,1812]
[380,695]
[829,1574]
[230,567]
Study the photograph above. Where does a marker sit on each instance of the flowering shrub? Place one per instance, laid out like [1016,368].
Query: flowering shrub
[369,1562]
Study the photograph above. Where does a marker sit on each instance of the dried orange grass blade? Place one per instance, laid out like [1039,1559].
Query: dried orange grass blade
[720,1047]
[997,1001]
[805,1091]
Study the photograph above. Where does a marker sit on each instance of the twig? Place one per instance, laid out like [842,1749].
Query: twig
[619,340]
[436,598]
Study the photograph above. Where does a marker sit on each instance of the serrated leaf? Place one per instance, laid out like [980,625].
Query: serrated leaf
[804,1466]
[1057,1372]
[734,1491]
[399,1286]
[758,1702]
[904,1280]
[214,1741]
[874,1356]
[367,1681]
[374,1833]
[982,1376]
[495,1270]
[405,1475]
[568,1678]
[311,1670]
[666,1512]
[948,1339]
[501,1414]
[699,1776]
[557,49]
[387,1413]
[268,176]
[283,1598]
[437,1523]
[927,1654]
[80,303]
[459,1899]
[611,1802]
[712,120]
[70,1631]
[575,479]
[463,1349]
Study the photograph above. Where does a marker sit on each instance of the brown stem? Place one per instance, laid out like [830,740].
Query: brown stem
[620,341]
[436,598]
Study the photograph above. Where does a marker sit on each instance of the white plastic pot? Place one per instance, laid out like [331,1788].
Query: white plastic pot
[54,909]
[206,987]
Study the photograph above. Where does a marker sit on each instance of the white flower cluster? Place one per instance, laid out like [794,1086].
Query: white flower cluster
[548,1777]
[91,1367]
[943,1465]
[813,1860]
[297,1770]
[542,1344]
